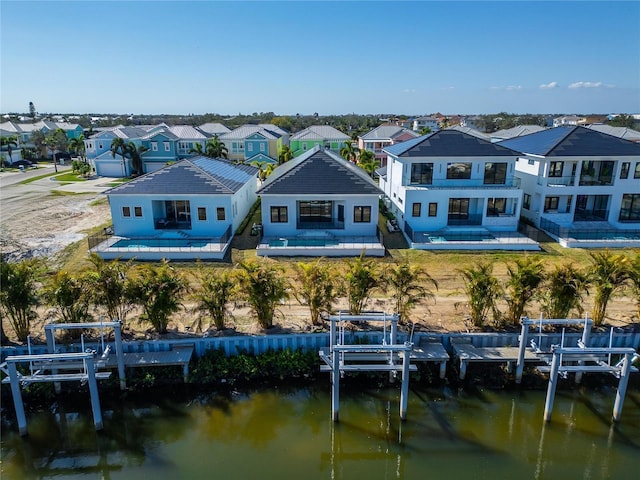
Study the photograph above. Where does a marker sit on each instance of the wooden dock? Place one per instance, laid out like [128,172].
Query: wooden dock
[178,356]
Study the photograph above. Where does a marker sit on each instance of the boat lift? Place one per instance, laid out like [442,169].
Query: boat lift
[388,356]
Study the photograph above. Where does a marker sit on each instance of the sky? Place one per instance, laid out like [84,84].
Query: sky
[329,57]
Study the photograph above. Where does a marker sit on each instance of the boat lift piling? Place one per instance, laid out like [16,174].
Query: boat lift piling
[527,323]
[621,370]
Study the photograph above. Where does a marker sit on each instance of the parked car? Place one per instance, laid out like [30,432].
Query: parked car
[22,163]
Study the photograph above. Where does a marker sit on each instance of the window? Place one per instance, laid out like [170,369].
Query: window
[555,169]
[220,214]
[100,145]
[433,209]
[416,209]
[630,208]
[636,172]
[569,201]
[315,211]
[167,146]
[154,146]
[458,171]
[202,214]
[496,206]
[495,173]
[137,211]
[126,211]
[304,146]
[422,173]
[551,204]
[279,215]
[362,214]
[526,201]
[458,208]
[262,147]
[530,161]
[249,147]
[624,170]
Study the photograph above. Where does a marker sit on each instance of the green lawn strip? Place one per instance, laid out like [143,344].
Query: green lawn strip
[70,177]
[35,179]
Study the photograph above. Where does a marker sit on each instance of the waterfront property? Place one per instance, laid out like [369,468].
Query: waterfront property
[319,205]
[581,186]
[185,211]
[451,190]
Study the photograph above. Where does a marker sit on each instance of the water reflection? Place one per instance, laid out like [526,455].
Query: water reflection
[288,434]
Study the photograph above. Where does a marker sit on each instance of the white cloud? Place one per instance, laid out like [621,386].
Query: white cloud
[508,87]
[409,90]
[549,85]
[587,85]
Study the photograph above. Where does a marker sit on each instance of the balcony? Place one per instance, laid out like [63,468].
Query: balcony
[590,215]
[558,181]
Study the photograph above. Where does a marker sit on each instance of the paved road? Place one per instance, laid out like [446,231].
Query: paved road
[11,178]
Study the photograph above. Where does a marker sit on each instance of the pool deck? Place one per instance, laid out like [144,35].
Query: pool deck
[499,241]
[343,247]
[212,250]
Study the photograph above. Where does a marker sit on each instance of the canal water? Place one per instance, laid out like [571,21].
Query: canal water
[287,434]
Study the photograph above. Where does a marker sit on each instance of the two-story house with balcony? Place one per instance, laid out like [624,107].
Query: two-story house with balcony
[580,185]
[452,190]
[249,143]
[383,136]
[431,123]
[326,137]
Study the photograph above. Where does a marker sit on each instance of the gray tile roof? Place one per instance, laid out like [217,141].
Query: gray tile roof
[319,172]
[620,132]
[517,131]
[571,141]
[320,132]
[448,143]
[470,131]
[386,132]
[192,176]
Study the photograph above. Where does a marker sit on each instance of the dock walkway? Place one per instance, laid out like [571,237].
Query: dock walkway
[468,353]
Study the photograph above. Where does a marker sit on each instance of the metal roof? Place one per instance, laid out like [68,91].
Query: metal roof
[192,176]
[620,132]
[517,131]
[247,130]
[386,132]
[448,143]
[572,141]
[187,132]
[320,132]
[319,172]
[470,131]
[214,128]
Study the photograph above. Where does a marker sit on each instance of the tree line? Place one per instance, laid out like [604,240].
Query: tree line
[115,288]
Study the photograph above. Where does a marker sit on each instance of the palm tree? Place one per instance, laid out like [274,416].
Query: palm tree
[608,274]
[318,288]
[563,292]
[407,287]
[76,145]
[118,145]
[56,141]
[263,286]
[158,291]
[368,162]
[215,148]
[634,277]
[362,278]
[135,152]
[108,286]
[216,290]
[285,154]
[10,142]
[349,152]
[19,294]
[197,149]
[523,280]
[68,294]
[483,290]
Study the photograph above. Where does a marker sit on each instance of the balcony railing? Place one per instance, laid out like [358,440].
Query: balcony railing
[598,181]
[456,220]
[593,215]
[558,181]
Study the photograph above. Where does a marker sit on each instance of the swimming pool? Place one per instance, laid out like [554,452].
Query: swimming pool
[145,243]
[303,242]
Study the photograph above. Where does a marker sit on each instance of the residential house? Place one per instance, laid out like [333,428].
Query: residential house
[452,190]
[426,122]
[249,143]
[620,132]
[566,120]
[185,211]
[470,131]
[381,137]
[98,150]
[513,132]
[325,136]
[319,204]
[580,185]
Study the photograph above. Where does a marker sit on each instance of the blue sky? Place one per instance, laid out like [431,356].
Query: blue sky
[329,57]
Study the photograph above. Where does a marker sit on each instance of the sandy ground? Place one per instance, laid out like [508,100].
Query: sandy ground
[35,223]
